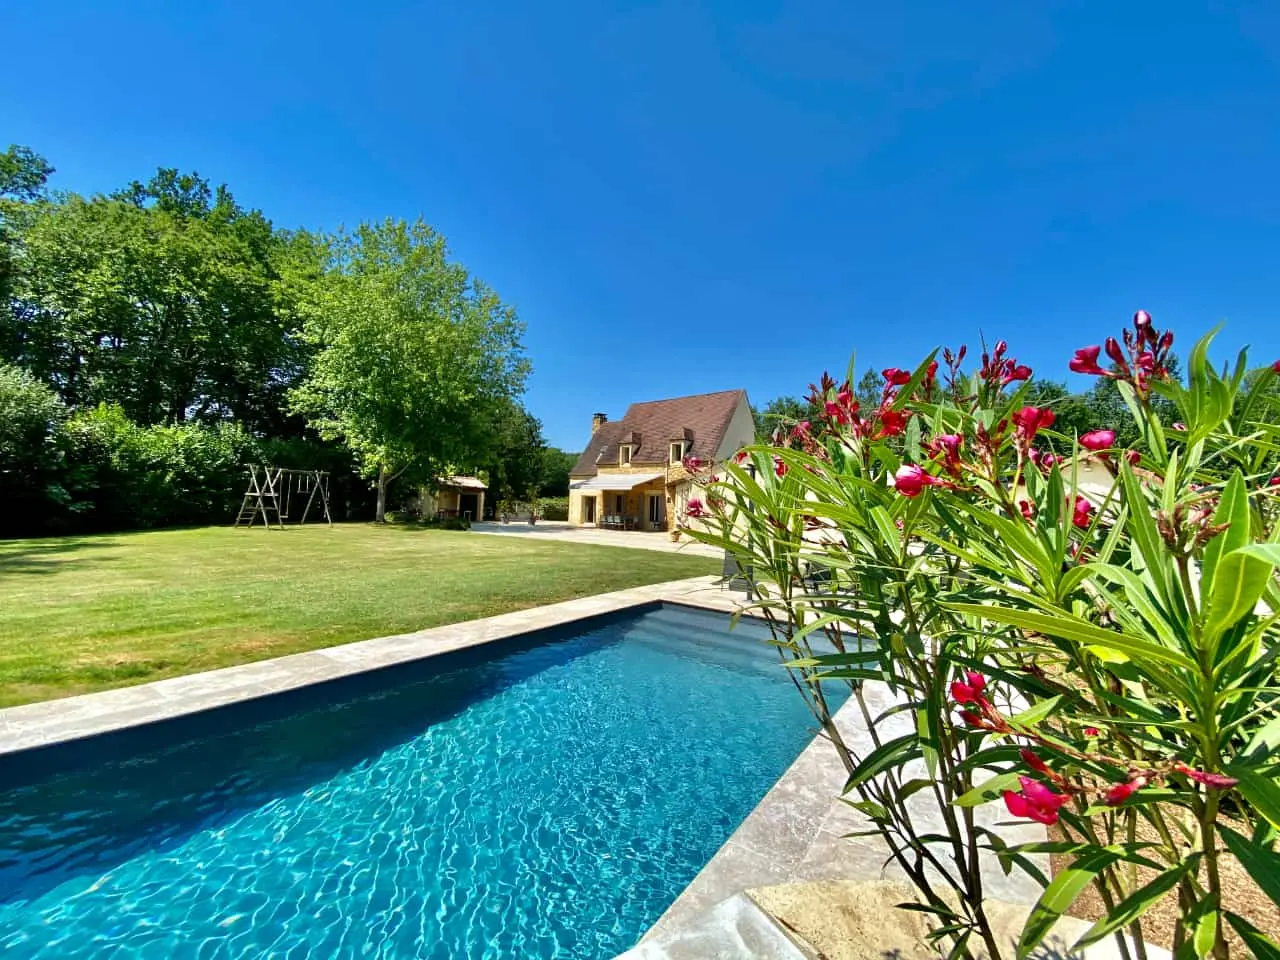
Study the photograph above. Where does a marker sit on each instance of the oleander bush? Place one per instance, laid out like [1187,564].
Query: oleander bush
[1087,638]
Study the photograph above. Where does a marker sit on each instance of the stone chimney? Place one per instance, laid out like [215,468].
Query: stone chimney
[597,421]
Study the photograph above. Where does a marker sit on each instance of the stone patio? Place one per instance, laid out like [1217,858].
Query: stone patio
[560,530]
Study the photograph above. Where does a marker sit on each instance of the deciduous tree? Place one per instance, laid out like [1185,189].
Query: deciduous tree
[413,355]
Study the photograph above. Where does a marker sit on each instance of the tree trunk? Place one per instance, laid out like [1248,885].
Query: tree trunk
[380,515]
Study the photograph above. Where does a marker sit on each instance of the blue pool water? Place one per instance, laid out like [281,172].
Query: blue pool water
[547,798]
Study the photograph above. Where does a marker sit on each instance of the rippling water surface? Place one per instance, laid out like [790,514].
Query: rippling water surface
[550,802]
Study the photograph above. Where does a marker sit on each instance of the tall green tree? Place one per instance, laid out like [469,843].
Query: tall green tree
[23,173]
[413,356]
[869,389]
[556,464]
[783,411]
[514,460]
[164,299]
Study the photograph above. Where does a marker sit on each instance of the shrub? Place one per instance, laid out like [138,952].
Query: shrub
[124,475]
[553,508]
[30,462]
[1088,640]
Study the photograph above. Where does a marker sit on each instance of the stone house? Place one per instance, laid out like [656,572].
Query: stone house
[631,474]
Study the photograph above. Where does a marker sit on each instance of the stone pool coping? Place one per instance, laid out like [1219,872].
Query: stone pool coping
[68,719]
[799,834]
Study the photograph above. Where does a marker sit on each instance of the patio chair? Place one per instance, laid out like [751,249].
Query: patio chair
[735,577]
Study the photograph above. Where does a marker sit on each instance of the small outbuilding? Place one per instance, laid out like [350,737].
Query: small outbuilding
[461,497]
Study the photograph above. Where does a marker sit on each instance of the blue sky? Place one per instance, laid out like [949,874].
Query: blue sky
[692,196]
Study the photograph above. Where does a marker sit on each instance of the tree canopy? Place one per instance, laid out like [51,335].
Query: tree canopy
[413,357]
[168,304]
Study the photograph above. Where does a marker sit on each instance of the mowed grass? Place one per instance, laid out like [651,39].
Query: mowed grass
[86,613]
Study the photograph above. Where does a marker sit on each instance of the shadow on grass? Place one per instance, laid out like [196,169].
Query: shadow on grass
[48,556]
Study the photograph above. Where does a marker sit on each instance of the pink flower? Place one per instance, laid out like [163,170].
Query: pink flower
[1090,731]
[969,691]
[1036,801]
[692,463]
[1114,352]
[836,412]
[845,399]
[1276,366]
[892,423]
[1032,760]
[801,430]
[1030,419]
[1141,320]
[1098,440]
[1086,361]
[779,467]
[1019,372]
[1123,791]
[740,456]
[971,719]
[1178,425]
[694,508]
[1082,513]
[910,480]
[949,443]
[1133,456]
[1028,510]
[1216,781]
[896,377]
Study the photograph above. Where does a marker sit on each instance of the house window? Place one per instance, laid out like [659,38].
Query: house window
[624,455]
[677,451]
[620,504]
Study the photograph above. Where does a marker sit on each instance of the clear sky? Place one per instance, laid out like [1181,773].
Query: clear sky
[691,196]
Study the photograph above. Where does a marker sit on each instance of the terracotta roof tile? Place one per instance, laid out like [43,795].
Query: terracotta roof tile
[655,423]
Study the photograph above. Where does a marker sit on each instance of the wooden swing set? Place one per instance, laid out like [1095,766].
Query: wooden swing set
[275,492]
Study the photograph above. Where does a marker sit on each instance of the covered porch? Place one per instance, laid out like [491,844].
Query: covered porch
[456,497]
[622,501]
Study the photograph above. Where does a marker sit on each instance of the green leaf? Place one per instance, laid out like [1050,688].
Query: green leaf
[1233,510]
[1132,907]
[1238,585]
[875,811]
[1034,714]
[1270,552]
[988,791]
[1071,628]
[1146,536]
[1259,944]
[1204,928]
[1261,863]
[1059,896]
[1265,742]
[1262,791]
[891,754]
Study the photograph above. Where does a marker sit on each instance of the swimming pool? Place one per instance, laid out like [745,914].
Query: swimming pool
[545,797]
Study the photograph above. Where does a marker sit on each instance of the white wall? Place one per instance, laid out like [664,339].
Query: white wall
[740,433]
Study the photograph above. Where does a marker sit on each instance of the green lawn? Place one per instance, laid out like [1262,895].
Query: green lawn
[88,613]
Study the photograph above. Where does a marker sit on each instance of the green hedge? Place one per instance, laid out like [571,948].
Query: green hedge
[122,475]
[553,508]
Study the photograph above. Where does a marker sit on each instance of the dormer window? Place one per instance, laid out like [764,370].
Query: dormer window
[678,450]
[624,454]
